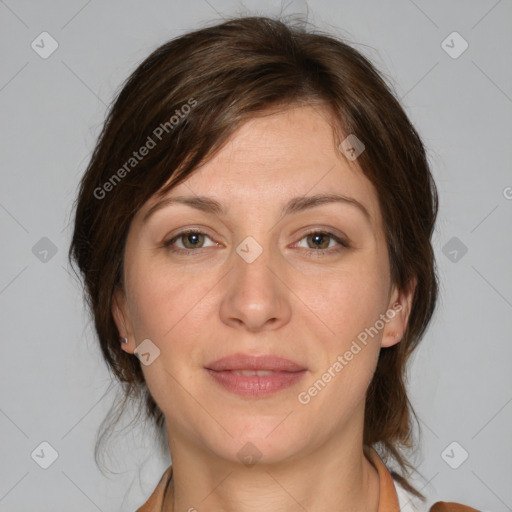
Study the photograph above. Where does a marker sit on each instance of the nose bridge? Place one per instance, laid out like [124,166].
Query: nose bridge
[252,275]
[255,296]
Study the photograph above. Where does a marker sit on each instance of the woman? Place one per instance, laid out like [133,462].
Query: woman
[254,231]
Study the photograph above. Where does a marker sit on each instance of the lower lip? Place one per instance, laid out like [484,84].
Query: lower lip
[256,385]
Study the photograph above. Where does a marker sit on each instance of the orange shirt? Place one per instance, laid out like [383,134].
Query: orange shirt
[388,501]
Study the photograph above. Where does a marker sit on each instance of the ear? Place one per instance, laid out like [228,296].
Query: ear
[122,320]
[399,309]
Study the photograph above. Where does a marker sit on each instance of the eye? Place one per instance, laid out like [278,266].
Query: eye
[318,242]
[321,242]
[190,240]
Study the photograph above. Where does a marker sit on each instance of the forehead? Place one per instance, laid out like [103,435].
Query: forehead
[276,156]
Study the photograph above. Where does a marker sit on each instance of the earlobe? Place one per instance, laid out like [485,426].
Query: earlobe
[119,315]
[398,312]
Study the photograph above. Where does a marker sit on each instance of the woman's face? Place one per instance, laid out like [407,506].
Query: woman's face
[270,273]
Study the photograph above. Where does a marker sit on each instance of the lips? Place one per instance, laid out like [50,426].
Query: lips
[247,373]
[244,362]
[255,376]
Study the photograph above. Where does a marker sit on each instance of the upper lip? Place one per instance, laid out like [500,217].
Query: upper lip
[266,362]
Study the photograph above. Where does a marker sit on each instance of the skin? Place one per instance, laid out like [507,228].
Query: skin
[289,302]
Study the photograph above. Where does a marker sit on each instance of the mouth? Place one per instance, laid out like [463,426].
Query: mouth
[255,376]
[248,373]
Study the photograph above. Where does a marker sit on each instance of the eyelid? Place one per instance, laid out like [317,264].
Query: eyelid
[167,243]
[327,230]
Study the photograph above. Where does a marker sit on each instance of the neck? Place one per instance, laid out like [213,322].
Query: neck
[336,476]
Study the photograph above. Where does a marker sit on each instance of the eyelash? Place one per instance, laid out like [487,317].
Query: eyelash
[168,244]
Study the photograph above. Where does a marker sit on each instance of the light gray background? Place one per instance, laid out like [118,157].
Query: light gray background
[53,379]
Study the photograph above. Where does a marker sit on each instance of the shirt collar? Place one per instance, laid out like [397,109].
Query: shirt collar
[388,500]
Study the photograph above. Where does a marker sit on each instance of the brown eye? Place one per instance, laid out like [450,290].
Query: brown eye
[192,240]
[188,241]
[318,240]
[322,242]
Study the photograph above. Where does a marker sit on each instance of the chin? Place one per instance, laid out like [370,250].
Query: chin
[262,443]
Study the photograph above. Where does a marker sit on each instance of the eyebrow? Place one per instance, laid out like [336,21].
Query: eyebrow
[294,205]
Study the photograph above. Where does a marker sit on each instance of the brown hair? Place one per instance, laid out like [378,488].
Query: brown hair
[226,74]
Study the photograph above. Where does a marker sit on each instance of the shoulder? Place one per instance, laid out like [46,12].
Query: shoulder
[410,503]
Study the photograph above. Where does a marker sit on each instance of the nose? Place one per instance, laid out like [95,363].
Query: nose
[256,297]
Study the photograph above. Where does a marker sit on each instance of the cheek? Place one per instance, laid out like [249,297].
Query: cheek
[347,301]
[160,302]
[349,304]
[166,310]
